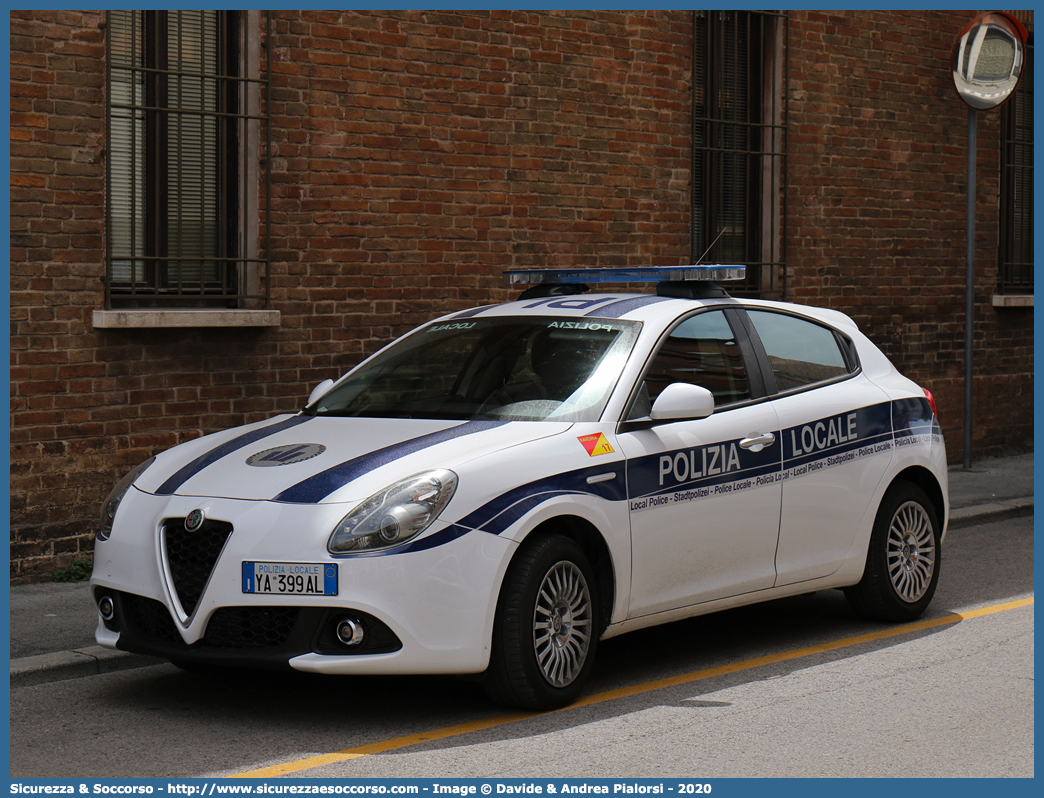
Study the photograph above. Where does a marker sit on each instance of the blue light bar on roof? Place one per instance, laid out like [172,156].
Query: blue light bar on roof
[640,274]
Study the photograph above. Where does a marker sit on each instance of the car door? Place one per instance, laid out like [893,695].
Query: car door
[836,437]
[704,494]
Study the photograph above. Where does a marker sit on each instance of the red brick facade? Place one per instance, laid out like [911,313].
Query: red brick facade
[417,155]
[877,225]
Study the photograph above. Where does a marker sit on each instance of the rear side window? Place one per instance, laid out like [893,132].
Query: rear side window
[801,352]
[702,350]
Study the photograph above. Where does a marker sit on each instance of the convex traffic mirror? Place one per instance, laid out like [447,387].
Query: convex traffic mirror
[988,59]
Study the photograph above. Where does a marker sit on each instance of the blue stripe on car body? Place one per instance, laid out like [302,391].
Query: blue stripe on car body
[644,477]
[497,515]
[873,423]
[641,477]
[467,314]
[316,488]
[185,473]
[913,416]
[573,302]
[615,308]
[625,306]
[838,434]
[569,482]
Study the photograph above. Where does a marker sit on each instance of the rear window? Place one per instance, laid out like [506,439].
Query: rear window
[801,352]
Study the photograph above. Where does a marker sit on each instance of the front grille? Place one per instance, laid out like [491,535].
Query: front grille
[192,557]
[263,636]
[250,627]
[150,618]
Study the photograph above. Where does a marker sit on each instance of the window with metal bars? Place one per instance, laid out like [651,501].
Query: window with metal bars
[1015,260]
[183,156]
[739,142]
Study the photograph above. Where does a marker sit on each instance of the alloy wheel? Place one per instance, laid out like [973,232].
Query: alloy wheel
[910,551]
[562,624]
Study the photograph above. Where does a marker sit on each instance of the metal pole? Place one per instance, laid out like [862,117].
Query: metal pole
[969,288]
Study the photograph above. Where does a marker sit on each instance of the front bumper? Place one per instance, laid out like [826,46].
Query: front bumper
[428,611]
[245,636]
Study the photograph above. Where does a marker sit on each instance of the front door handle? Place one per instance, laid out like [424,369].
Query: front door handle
[758,441]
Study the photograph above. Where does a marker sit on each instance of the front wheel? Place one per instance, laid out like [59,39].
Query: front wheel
[902,563]
[546,629]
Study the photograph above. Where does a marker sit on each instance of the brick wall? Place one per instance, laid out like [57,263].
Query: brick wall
[417,155]
[57,184]
[877,227]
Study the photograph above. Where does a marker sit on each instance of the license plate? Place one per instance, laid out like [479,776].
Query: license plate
[290,578]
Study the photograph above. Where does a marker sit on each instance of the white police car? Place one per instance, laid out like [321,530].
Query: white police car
[501,488]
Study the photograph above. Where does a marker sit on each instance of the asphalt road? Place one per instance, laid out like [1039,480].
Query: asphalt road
[797,687]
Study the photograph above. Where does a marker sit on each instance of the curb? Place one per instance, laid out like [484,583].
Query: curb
[60,666]
[93,660]
[987,513]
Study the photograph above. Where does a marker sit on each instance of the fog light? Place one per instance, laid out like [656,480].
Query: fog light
[350,632]
[106,608]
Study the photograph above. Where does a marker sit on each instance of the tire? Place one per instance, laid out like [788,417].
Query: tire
[903,560]
[546,628]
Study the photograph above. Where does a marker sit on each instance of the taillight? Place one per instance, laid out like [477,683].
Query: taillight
[931,401]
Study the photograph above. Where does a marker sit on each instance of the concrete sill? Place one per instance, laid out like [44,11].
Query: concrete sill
[1013,300]
[154,319]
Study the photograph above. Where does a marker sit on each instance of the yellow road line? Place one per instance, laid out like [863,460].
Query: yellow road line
[396,743]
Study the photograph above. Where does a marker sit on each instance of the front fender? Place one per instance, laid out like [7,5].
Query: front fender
[609,519]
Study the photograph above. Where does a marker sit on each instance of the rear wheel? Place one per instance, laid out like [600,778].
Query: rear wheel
[902,563]
[546,628]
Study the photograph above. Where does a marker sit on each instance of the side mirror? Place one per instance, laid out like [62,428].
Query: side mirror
[319,390]
[680,401]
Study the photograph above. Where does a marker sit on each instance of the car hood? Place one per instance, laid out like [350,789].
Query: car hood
[310,460]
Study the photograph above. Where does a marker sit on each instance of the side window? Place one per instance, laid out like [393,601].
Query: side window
[800,352]
[702,350]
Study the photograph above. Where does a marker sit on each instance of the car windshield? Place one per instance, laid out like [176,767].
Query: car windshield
[518,369]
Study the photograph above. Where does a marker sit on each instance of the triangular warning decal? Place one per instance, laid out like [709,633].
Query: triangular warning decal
[595,444]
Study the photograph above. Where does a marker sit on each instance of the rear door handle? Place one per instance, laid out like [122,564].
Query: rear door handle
[758,441]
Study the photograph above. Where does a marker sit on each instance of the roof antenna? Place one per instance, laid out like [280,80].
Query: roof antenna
[694,289]
[715,241]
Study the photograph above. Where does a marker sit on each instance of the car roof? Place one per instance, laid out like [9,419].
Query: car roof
[649,308]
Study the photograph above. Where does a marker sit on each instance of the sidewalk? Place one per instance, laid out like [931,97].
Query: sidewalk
[52,624]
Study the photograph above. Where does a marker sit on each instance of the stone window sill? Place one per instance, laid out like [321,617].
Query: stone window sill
[1013,300]
[154,319]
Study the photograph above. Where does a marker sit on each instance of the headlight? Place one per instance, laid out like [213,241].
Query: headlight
[395,514]
[112,501]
